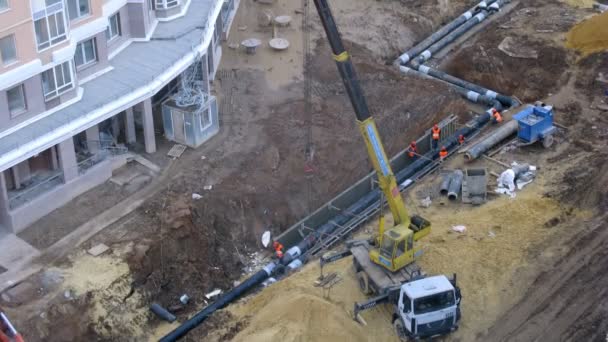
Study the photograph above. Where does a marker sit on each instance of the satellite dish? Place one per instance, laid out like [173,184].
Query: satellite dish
[266,238]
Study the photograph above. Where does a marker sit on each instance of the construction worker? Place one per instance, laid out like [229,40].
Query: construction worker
[436,134]
[411,150]
[461,139]
[496,117]
[278,248]
[443,153]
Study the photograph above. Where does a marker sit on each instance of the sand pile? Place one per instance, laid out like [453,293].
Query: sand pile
[580,3]
[589,36]
[294,310]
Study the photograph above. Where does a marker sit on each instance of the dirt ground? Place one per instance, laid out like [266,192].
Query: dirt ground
[520,264]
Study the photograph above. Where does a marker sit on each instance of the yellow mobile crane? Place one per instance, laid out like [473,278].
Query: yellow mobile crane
[394,247]
[423,306]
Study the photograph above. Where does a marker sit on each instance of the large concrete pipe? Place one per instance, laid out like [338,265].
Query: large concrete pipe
[442,32]
[506,130]
[455,185]
[445,184]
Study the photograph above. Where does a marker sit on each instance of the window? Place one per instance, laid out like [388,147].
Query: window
[205,119]
[86,53]
[78,8]
[434,302]
[57,80]
[165,4]
[8,52]
[50,30]
[407,303]
[3,4]
[113,30]
[16,100]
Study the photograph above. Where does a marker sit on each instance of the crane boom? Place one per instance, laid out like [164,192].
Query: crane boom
[365,121]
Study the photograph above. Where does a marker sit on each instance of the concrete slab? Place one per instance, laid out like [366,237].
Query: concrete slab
[145,162]
[14,254]
[20,294]
[98,249]
[124,176]
[15,251]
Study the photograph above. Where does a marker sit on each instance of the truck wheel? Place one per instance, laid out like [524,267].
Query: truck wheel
[400,330]
[548,141]
[364,282]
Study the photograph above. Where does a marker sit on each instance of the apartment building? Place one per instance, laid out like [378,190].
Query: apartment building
[79,82]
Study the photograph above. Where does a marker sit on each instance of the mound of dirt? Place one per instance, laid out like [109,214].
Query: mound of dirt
[194,255]
[589,36]
[289,317]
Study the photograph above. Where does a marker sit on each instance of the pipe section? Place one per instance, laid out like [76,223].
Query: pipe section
[162,312]
[224,300]
[508,128]
[452,36]
[477,90]
[455,185]
[445,184]
[472,92]
[442,32]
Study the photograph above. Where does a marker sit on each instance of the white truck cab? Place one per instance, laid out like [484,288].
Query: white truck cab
[427,307]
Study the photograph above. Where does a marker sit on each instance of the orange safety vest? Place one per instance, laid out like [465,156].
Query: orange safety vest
[443,153]
[436,133]
[412,151]
[497,117]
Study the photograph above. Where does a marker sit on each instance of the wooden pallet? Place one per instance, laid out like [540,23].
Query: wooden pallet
[176,151]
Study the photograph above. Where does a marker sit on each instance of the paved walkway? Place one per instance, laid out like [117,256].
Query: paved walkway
[16,253]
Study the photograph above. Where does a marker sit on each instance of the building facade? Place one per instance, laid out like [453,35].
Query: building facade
[81,82]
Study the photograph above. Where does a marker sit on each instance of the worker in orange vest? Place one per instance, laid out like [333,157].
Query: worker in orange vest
[443,153]
[278,248]
[496,117]
[412,151]
[436,134]
[461,139]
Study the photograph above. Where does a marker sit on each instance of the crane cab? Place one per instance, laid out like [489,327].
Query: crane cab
[395,247]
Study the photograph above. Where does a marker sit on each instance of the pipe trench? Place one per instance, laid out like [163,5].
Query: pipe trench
[294,257]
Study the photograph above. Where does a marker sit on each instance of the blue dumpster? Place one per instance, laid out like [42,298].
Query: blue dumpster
[535,124]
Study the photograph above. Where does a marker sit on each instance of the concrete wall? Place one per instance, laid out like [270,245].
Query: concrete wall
[34,100]
[17,20]
[140,19]
[166,13]
[20,218]
[4,216]
[102,58]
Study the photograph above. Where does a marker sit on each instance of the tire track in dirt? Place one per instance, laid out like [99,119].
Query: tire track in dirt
[566,302]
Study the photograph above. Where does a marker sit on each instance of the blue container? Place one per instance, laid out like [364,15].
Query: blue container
[535,122]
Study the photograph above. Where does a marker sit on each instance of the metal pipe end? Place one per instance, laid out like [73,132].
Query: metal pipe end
[452,196]
[468,156]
